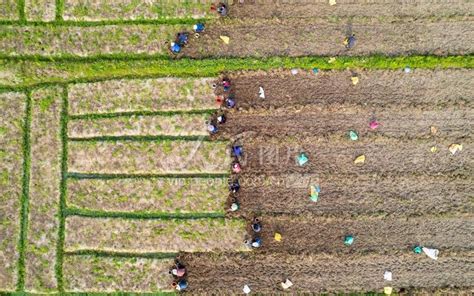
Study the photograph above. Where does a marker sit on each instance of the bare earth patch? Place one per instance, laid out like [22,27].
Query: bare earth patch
[173,195]
[336,156]
[312,234]
[322,273]
[348,8]
[376,88]
[12,114]
[167,125]
[102,274]
[127,95]
[363,194]
[44,189]
[325,37]
[142,236]
[338,119]
[148,157]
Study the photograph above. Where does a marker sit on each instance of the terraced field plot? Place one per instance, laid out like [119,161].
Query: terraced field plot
[108,172]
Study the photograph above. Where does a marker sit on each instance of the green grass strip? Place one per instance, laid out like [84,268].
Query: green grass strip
[21,12]
[24,201]
[74,175]
[140,215]
[63,192]
[93,116]
[59,22]
[32,73]
[144,138]
[59,10]
[99,253]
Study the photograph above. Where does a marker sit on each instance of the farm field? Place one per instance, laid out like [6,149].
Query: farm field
[110,169]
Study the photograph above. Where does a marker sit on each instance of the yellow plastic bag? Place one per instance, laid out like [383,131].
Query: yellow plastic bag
[388,290]
[455,148]
[332,2]
[359,159]
[226,39]
[434,149]
[277,236]
[355,80]
[331,60]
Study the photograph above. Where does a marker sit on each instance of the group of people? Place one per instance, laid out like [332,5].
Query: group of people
[178,271]
[228,99]
[182,38]
[256,240]
[234,185]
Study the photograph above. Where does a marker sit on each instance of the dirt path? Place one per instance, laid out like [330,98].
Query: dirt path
[309,234]
[343,8]
[375,88]
[227,274]
[349,195]
[324,37]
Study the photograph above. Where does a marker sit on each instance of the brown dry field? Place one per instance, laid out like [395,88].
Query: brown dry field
[375,88]
[362,194]
[325,36]
[323,273]
[374,8]
[403,195]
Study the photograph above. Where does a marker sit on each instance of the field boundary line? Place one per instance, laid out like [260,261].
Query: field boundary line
[91,70]
[100,253]
[59,10]
[142,215]
[63,192]
[24,200]
[75,175]
[21,12]
[93,116]
[60,22]
[143,139]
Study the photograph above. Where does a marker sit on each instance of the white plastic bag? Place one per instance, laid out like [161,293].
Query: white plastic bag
[261,93]
[432,253]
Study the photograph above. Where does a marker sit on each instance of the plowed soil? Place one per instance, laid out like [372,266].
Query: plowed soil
[375,88]
[325,37]
[349,195]
[321,273]
[319,8]
[411,189]
[312,235]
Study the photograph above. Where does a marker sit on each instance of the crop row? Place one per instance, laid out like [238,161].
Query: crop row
[43,222]
[147,236]
[148,157]
[12,198]
[170,195]
[133,95]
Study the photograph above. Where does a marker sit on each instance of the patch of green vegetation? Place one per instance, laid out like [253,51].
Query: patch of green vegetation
[63,194]
[24,202]
[59,10]
[140,214]
[21,10]
[45,103]
[91,69]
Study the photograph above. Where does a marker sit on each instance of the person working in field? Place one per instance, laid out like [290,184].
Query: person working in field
[221,9]
[350,41]
[178,270]
[181,40]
